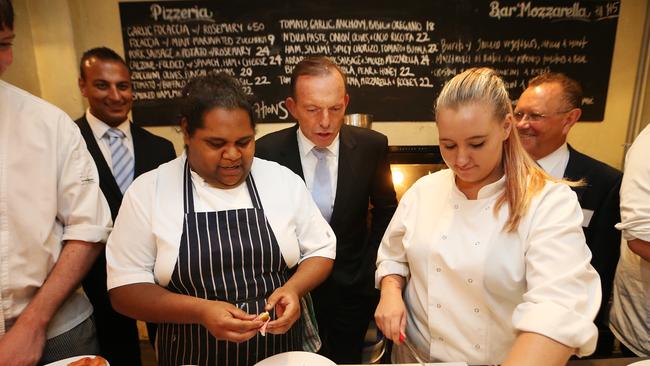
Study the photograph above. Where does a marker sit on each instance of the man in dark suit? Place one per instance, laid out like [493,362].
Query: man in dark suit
[346,169]
[105,81]
[545,112]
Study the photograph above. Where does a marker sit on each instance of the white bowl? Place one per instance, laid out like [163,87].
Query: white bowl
[297,358]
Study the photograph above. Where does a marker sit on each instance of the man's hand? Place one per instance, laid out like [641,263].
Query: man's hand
[228,322]
[286,302]
[23,344]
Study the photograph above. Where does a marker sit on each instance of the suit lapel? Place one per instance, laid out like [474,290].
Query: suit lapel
[290,153]
[576,170]
[107,181]
[347,144]
[139,150]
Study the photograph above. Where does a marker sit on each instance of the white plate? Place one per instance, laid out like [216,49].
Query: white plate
[69,360]
[431,364]
[296,359]
[640,363]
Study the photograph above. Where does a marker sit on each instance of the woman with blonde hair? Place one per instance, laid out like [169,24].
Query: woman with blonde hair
[486,262]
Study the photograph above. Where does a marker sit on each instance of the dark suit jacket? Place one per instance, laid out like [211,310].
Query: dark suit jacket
[363,177]
[600,194]
[117,335]
[150,151]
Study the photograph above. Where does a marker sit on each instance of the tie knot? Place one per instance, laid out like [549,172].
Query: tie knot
[114,133]
[320,152]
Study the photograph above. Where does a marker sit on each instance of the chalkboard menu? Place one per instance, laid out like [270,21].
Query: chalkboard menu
[397,54]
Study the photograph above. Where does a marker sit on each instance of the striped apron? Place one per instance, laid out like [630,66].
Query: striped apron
[230,256]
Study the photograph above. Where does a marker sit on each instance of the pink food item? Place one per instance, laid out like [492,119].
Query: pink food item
[266,318]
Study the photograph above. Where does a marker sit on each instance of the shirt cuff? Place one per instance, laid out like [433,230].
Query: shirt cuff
[129,279]
[386,268]
[563,325]
[324,252]
[636,234]
[87,233]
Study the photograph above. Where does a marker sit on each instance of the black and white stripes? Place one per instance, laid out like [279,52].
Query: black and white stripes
[230,256]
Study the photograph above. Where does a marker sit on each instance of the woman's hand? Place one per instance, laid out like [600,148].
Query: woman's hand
[286,299]
[390,315]
[286,302]
[228,322]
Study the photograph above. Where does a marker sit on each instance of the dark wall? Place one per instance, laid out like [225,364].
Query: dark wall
[397,54]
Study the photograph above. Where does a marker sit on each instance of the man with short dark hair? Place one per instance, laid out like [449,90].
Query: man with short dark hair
[346,169]
[122,151]
[53,221]
[545,113]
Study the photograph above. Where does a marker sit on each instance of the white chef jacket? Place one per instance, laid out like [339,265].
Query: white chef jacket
[49,193]
[471,286]
[630,313]
[143,246]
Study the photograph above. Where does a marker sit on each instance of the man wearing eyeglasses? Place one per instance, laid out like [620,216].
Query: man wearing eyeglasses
[545,113]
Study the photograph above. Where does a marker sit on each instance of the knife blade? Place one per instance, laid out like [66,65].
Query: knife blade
[411,349]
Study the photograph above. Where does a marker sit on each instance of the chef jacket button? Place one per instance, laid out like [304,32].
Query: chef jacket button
[477,243]
[438,306]
[438,269]
[476,310]
[444,237]
[477,346]
[469,280]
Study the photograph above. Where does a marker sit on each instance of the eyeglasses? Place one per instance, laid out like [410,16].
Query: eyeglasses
[536,117]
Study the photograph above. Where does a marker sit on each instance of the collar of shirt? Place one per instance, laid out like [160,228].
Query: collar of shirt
[305,145]
[209,198]
[487,191]
[555,163]
[99,127]
[308,160]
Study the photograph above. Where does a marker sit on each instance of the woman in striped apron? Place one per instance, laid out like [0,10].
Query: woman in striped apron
[233,255]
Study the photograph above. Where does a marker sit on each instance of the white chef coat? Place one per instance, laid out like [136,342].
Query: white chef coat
[630,313]
[99,129]
[143,246]
[308,161]
[49,193]
[471,286]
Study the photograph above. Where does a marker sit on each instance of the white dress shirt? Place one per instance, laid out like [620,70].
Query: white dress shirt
[630,313]
[143,246]
[99,129]
[471,287]
[309,161]
[49,193]
[554,164]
